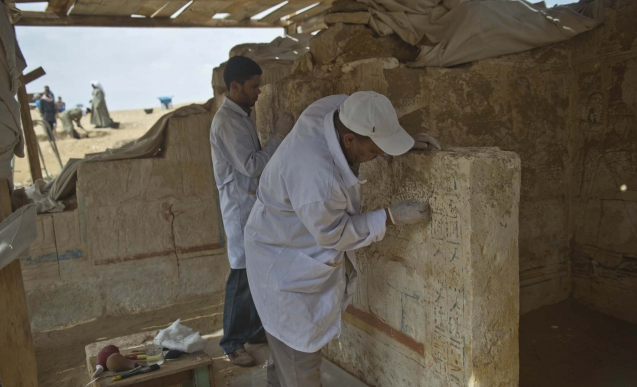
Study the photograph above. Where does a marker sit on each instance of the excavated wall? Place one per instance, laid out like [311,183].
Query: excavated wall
[145,233]
[567,110]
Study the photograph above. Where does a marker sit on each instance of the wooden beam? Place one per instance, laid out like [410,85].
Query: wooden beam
[17,355]
[319,9]
[169,9]
[203,11]
[149,8]
[59,6]
[29,134]
[51,19]
[240,11]
[85,7]
[288,9]
[313,24]
[33,75]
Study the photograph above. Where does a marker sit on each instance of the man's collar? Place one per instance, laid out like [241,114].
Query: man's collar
[235,107]
[337,153]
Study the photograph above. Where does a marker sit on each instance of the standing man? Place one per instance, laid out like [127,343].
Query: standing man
[307,216]
[238,161]
[99,112]
[48,110]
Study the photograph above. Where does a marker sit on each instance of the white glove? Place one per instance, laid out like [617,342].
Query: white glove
[424,141]
[284,124]
[409,212]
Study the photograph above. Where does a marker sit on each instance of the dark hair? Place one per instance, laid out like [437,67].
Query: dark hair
[240,69]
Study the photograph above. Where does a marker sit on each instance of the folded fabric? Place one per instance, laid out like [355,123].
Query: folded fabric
[181,338]
[452,32]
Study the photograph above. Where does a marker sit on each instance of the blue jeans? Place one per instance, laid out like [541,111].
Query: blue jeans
[241,322]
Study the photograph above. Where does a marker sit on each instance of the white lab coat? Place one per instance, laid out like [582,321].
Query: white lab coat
[238,161]
[304,220]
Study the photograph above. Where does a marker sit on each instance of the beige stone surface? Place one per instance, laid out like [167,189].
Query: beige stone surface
[347,17]
[145,234]
[438,303]
[565,109]
[603,218]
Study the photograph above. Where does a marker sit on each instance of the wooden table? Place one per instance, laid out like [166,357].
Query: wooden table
[189,370]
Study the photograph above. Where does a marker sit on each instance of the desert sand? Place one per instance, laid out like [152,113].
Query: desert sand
[133,124]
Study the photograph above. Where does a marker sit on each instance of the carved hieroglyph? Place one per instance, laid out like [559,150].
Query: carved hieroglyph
[437,303]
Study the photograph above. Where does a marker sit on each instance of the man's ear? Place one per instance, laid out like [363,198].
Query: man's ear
[236,86]
[348,139]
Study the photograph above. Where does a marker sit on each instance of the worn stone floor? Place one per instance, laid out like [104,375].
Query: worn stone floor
[228,375]
[61,358]
[561,345]
[569,345]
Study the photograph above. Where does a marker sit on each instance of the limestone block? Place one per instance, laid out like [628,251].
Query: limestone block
[365,74]
[41,266]
[129,232]
[64,304]
[67,236]
[438,303]
[303,65]
[348,6]
[188,145]
[293,95]
[135,286]
[347,17]
[196,226]
[202,275]
[350,42]
[113,183]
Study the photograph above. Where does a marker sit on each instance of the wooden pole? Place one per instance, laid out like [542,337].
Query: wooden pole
[17,355]
[29,133]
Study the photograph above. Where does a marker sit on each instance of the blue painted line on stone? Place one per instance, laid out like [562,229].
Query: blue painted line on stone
[71,254]
[45,258]
[54,257]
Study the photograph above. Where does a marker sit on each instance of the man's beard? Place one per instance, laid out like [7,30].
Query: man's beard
[246,98]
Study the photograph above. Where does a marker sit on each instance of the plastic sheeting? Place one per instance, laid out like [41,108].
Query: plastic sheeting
[17,232]
[452,32]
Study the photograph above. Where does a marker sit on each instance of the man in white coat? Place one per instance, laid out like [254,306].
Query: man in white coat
[307,217]
[238,161]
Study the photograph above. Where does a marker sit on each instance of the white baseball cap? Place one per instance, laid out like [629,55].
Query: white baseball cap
[372,115]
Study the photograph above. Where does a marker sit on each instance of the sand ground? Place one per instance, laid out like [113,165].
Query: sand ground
[133,124]
[561,345]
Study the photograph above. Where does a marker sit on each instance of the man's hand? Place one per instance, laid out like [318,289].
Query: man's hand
[425,142]
[284,124]
[409,212]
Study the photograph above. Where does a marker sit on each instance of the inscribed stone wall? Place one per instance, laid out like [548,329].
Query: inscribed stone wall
[603,129]
[567,110]
[518,103]
[146,233]
[437,304]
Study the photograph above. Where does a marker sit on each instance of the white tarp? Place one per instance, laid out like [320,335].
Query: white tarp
[17,232]
[452,32]
[11,65]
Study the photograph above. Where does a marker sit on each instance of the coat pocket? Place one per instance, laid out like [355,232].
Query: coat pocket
[302,273]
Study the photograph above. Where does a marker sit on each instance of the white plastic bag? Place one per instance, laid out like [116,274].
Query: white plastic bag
[17,232]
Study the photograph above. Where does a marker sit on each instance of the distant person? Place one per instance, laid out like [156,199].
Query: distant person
[36,99]
[99,112]
[73,115]
[60,105]
[48,110]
